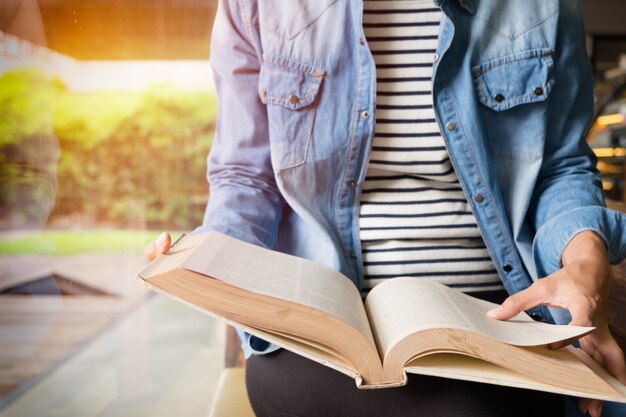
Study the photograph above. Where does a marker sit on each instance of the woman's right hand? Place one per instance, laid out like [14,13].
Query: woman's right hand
[158,246]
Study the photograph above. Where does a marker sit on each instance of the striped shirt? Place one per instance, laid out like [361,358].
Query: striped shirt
[414,218]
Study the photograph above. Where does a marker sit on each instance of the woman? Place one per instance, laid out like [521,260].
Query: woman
[409,138]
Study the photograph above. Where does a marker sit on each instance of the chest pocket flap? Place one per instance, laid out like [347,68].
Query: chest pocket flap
[290,90]
[289,85]
[514,80]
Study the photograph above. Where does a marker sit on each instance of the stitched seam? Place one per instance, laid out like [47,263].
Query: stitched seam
[485,67]
[355,119]
[296,66]
[245,19]
[471,155]
[284,102]
[291,36]
[307,99]
[539,23]
[516,101]
[307,144]
[514,36]
[310,21]
[528,98]
[483,88]
[247,26]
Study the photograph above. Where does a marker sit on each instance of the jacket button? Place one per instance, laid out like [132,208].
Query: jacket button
[507,268]
[294,99]
[538,91]
[479,198]
[352,184]
[436,58]
[365,114]
[450,126]
[499,98]
[263,92]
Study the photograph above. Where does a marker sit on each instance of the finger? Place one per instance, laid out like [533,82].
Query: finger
[588,345]
[150,251]
[595,408]
[583,404]
[163,242]
[603,348]
[561,344]
[532,296]
[612,357]
[160,245]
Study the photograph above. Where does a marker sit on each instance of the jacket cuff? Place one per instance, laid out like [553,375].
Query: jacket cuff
[554,236]
[253,345]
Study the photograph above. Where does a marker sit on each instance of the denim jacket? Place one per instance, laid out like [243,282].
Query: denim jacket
[297,88]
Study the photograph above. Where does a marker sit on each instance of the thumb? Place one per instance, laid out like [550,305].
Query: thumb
[160,245]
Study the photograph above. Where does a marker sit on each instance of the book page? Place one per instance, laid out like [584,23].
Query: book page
[402,306]
[455,366]
[303,348]
[278,275]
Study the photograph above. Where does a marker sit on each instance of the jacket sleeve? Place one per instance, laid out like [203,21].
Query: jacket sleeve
[244,200]
[568,196]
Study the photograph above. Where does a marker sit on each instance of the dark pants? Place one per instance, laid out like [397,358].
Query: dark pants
[283,384]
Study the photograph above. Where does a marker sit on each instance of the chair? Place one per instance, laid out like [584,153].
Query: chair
[231,398]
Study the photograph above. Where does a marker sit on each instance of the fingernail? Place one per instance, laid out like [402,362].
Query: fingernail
[161,240]
[494,311]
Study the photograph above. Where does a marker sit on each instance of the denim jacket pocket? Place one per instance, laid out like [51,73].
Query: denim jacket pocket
[290,91]
[509,81]
[513,91]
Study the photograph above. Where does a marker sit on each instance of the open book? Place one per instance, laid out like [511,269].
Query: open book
[405,325]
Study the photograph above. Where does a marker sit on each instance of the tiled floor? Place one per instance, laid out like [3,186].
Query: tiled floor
[163,359]
[41,329]
[112,273]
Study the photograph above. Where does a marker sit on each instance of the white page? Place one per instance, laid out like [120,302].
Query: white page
[466,368]
[278,275]
[401,306]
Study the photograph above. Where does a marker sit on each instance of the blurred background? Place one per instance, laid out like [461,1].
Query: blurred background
[107,110]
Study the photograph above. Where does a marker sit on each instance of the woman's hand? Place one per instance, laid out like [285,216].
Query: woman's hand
[582,286]
[158,246]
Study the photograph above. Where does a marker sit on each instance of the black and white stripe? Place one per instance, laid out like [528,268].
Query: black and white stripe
[414,218]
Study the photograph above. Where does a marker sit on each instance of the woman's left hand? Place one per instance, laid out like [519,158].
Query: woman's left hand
[582,286]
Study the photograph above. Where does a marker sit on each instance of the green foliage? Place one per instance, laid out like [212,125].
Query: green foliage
[26,100]
[28,150]
[64,242]
[131,159]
